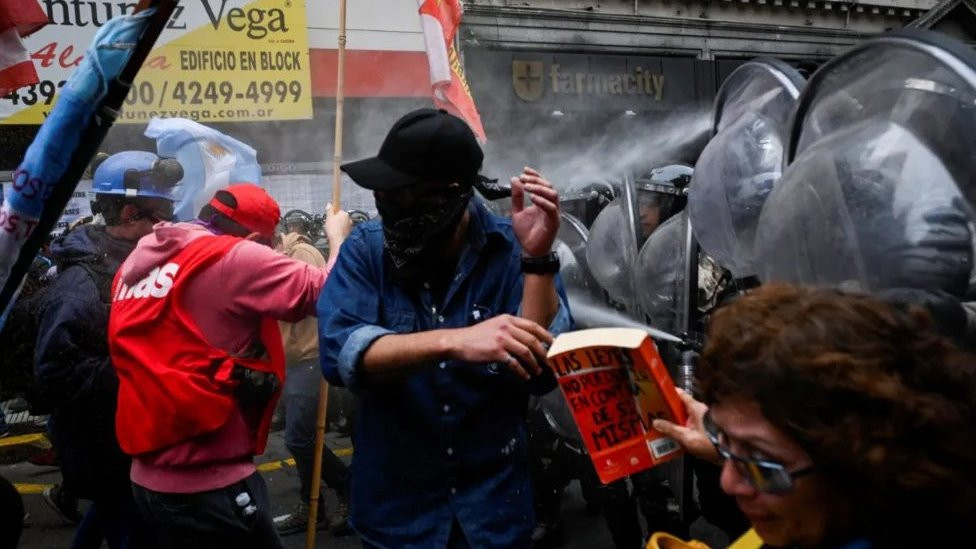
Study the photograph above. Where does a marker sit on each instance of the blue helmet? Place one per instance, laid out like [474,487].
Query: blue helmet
[137,174]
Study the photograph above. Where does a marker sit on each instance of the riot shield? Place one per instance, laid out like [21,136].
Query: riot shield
[661,199]
[737,169]
[612,247]
[879,184]
[570,245]
[660,274]
[732,179]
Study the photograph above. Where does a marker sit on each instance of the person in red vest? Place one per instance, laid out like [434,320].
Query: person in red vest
[194,338]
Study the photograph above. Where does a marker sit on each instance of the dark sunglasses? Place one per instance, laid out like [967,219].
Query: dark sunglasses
[765,476]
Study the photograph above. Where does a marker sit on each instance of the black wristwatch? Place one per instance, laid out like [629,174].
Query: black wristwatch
[542,265]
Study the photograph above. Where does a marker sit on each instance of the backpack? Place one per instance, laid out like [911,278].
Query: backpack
[18,337]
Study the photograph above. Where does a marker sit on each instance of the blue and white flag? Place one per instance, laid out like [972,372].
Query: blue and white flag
[211,161]
[49,155]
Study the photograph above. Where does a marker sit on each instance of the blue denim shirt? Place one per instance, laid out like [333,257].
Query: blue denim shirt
[446,442]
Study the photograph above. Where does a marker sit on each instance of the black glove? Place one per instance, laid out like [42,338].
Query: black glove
[948,314]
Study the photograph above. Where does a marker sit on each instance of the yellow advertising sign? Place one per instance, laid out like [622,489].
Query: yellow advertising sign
[217,61]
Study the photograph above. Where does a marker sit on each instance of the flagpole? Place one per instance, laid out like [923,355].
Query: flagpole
[104,115]
[340,108]
[313,504]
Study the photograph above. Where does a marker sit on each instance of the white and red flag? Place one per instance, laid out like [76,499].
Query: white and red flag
[440,20]
[18,18]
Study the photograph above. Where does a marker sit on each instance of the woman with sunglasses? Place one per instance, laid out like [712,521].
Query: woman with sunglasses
[839,421]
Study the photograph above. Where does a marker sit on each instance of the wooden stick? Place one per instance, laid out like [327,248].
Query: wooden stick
[340,108]
[313,505]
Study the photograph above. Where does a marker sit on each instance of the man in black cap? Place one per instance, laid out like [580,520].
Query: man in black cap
[436,316]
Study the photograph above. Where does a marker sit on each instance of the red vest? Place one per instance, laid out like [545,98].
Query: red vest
[173,384]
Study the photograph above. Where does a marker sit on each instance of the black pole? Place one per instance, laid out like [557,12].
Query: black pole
[91,138]
[688,321]
[689,358]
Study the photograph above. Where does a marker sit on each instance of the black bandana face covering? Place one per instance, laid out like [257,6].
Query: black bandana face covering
[416,226]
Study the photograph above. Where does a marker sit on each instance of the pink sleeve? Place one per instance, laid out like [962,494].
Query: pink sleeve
[264,282]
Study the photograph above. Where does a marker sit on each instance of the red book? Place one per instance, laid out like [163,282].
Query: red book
[616,384]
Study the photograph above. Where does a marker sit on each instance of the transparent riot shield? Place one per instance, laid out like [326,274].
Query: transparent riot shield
[879,185]
[612,247]
[571,247]
[659,274]
[740,164]
[732,179]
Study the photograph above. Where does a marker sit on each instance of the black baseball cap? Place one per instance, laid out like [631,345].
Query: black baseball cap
[424,146]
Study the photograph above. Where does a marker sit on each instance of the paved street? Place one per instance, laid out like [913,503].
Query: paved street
[46,531]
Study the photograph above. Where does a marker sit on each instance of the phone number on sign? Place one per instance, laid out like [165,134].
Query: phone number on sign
[40,93]
[215,93]
[184,93]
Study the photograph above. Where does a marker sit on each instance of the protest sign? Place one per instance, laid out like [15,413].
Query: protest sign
[216,61]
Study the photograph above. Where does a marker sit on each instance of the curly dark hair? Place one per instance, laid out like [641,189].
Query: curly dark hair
[885,407]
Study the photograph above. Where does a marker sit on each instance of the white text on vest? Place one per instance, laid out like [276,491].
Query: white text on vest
[157,284]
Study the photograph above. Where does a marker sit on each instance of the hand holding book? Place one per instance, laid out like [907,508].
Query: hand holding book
[691,436]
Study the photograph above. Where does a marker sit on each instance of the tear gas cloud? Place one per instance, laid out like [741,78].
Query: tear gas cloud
[572,155]
[572,149]
[569,152]
[589,313]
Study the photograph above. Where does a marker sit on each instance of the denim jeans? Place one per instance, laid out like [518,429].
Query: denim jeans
[301,396]
[456,539]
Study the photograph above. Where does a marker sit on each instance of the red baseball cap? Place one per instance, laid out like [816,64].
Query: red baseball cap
[249,206]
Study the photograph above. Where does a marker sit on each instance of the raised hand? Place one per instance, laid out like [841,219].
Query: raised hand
[535,226]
